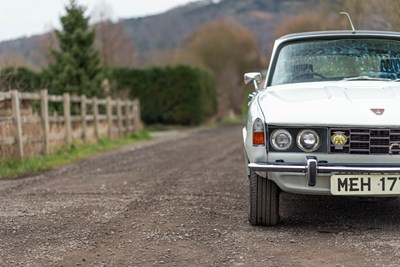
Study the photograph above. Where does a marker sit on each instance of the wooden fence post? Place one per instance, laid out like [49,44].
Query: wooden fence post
[127,117]
[134,111]
[109,117]
[17,123]
[83,118]
[119,115]
[44,106]
[138,122]
[67,118]
[96,118]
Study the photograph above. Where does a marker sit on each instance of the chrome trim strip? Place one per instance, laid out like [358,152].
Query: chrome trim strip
[277,167]
[358,169]
[323,168]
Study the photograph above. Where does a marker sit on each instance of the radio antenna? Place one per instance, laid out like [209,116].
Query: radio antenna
[351,23]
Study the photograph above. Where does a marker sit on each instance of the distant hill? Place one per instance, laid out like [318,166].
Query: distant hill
[168,30]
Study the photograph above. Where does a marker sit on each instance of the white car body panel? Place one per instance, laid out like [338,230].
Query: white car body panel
[346,103]
[328,104]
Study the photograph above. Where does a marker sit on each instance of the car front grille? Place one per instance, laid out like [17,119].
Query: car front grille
[368,141]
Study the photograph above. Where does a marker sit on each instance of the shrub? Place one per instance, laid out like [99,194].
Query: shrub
[20,78]
[170,95]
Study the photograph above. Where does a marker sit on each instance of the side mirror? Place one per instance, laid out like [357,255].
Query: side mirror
[254,77]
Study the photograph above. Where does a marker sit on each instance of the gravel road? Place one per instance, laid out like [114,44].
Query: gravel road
[181,201]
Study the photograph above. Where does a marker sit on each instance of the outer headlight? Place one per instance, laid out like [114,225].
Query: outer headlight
[308,140]
[281,140]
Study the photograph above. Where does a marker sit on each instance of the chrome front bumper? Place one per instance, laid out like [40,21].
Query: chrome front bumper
[312,167]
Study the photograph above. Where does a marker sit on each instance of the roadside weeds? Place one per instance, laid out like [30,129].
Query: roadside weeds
[17,168]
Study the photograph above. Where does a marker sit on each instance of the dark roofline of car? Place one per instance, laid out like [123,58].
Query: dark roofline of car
[322,34]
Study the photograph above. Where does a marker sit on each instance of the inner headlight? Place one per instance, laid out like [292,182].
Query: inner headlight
[281,140]
[308,140]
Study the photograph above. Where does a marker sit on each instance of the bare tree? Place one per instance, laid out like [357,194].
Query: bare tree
[4,81]
[304,22]
[14,61]
[365,14]
[386,13]
[113,43]
[228,50]
[45,44]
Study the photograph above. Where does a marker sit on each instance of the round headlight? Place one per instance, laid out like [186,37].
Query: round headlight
[308,140]
[281,140]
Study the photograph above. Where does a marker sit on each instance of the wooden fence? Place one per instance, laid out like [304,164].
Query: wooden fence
[82,119]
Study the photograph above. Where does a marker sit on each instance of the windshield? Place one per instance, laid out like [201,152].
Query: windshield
[332,60]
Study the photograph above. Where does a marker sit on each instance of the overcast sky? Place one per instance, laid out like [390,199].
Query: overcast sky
[29,17]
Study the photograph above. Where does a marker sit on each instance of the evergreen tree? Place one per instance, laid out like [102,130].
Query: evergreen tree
[77,67]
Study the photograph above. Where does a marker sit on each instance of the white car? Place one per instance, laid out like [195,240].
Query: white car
[326,121]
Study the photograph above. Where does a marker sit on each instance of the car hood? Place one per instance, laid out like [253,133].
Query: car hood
[344,103]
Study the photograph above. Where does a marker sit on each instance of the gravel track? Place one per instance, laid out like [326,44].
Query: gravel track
[181,201]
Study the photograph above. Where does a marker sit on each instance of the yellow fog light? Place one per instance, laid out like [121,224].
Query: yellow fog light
[339,139]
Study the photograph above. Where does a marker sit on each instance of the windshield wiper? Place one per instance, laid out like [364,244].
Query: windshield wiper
[366,78]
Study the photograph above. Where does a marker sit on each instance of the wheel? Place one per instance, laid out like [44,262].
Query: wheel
[263,201]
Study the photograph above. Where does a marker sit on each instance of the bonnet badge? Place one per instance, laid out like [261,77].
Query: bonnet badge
[378,111]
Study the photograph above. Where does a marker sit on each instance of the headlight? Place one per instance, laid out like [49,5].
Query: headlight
[281,140]
[308,140]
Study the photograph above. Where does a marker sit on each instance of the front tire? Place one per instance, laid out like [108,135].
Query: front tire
[263,201]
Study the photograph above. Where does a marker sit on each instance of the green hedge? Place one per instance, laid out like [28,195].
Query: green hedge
[170,95]
[20,78]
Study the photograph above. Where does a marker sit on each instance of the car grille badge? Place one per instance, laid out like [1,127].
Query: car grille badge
[339,139]
[378,111]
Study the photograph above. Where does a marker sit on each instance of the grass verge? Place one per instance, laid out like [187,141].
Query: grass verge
[11,168]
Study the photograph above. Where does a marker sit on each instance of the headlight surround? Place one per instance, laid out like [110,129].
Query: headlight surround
[281,140]
[308,140]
